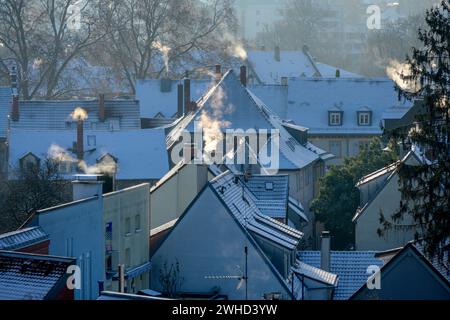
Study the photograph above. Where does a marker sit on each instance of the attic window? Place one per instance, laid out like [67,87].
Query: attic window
[364,118]
[335,118]
[269,185]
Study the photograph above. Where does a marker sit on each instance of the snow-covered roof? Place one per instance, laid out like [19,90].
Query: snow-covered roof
[236,107]
[310,100]
[5,107]
[22,238]
[242,204]
[25,276]
[56,114]
[153,100]
[349,266]
[271,193]
[141,154]
[314,273]
[291,64]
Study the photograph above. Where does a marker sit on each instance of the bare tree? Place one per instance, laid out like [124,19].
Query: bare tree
[144,35]
[42,38]
[31,187]
[170,279]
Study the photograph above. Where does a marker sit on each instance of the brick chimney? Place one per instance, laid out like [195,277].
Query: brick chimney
[15,108]
[277,54]
[101,107]
[180,109]
[218,72]
[15,115]
[80,139]
[187,95]
[243,76]
[325,258]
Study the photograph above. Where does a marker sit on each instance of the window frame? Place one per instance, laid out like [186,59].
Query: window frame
[369,118]
[335,113]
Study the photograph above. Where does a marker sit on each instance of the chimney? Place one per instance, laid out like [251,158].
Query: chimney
[101,107]
[180,108]
[243,76]
[86,186]
[187,95]
[338,73]
[15,108]
[80,139]
[121,272]
[325,262]
[277,55]
[218,72]
[15,95]
[284,81]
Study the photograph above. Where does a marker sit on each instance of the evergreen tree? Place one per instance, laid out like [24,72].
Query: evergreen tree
[339,198]
[425,189]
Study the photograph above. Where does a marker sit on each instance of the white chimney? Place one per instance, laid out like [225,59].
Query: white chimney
[325,262]
[86,186]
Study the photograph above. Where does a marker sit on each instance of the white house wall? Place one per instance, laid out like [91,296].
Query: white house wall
[207,241]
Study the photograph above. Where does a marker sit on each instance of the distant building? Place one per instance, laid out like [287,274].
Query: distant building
[275,67]
[127,157]
[159,99]
[409,274]
[5,106]
[223,243]
[242,110]
[380,194]
[101,232]
[25,276]
[255,16]
[340,114]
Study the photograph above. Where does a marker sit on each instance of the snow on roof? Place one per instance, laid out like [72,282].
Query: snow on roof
[291,64]
[297,207]
[5,107]
[349,266]
[314,273]
[25,276]
[271,193]
[328,71]
[56,114]
[378,173]
[141,154]
[22,238]
[153,100]
[241,109]
[241,203]
[310,100]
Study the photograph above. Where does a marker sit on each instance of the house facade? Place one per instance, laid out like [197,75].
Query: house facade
[341,114]
[409,275]
[380,194]
[223,243]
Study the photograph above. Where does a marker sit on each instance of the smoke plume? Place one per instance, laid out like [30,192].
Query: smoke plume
[165,53]
[79,114]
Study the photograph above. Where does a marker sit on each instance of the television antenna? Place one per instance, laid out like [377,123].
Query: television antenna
[242,277]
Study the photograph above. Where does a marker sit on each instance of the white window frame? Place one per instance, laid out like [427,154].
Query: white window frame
[335,118]
[364,115]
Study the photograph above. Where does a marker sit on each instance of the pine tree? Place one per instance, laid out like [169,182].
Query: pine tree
[425,189]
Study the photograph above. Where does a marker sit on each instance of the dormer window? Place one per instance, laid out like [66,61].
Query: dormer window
[364,117]
[335,118]
[29,161]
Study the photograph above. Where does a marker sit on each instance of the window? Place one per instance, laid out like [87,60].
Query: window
[137,223]
[127,226]
[335,148]
[91,140]
[364,118]
[269,185]
[335,118]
